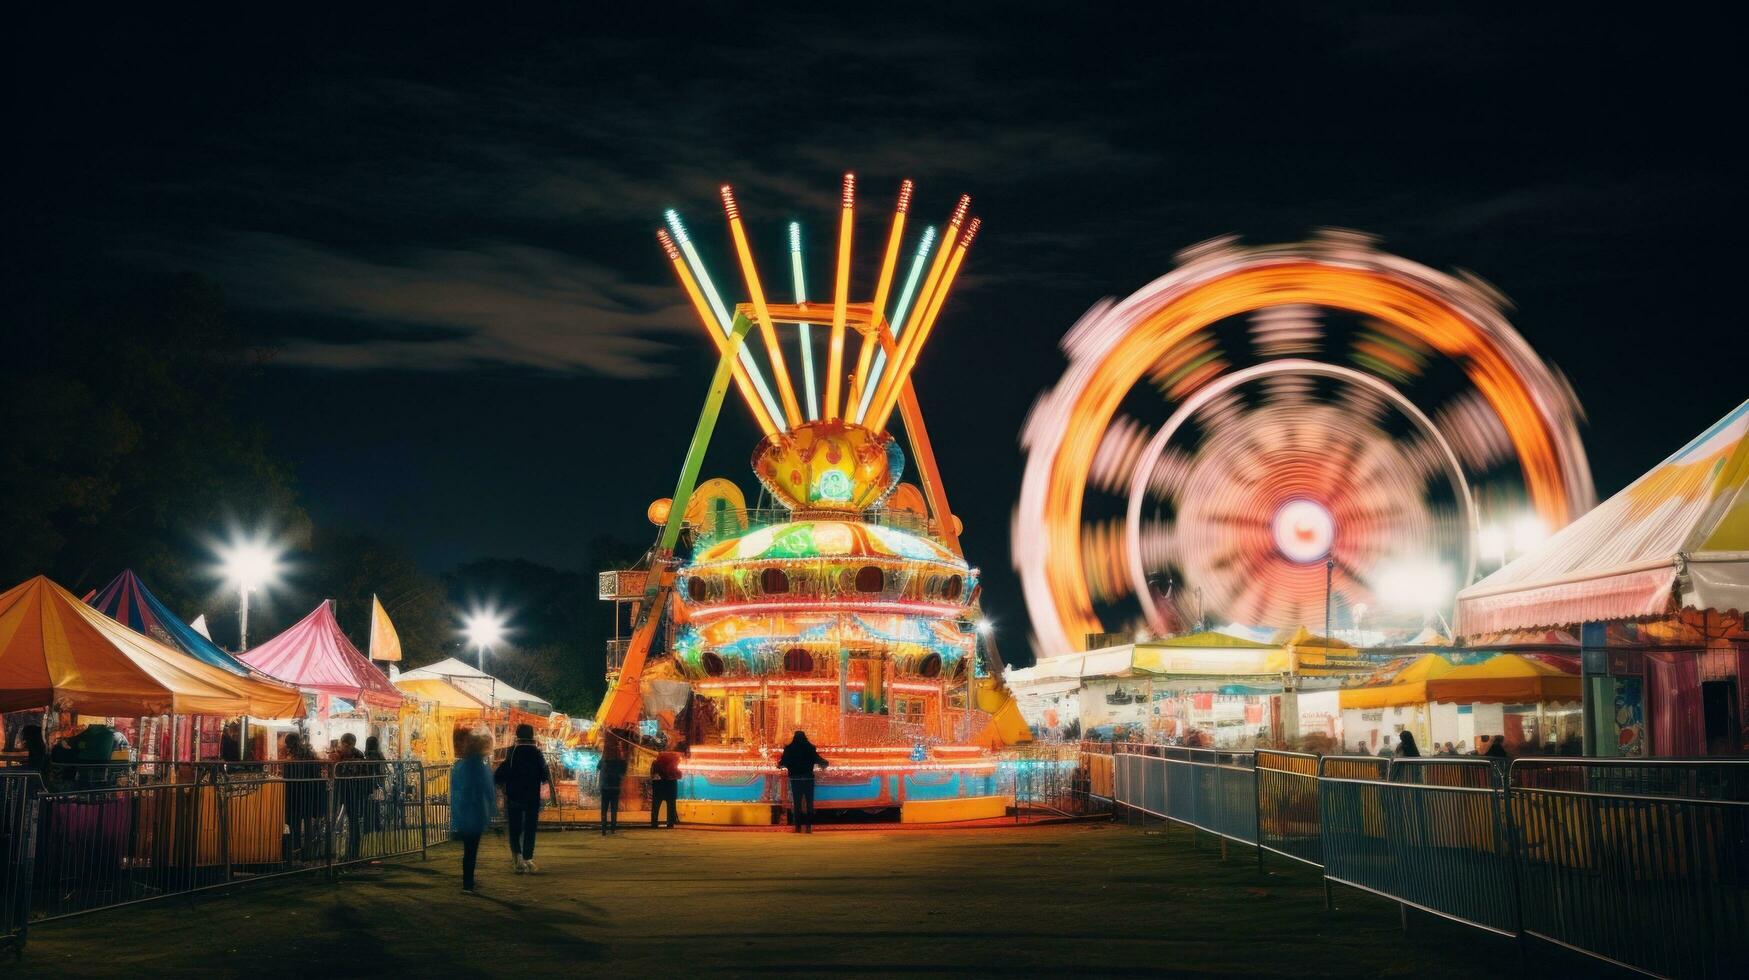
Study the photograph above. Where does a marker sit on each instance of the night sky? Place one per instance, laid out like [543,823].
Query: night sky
[442,228]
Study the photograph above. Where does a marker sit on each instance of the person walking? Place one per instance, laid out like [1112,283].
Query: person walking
[1406,747]
[471,803]
[522,773]
[352,784]
[799,759]
[665,784]
[379,788]
[612,772]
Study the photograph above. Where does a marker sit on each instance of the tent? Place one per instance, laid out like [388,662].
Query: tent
[1507,679]
[57,650]
[1678,537]
[481,685]
[317,657]
[440,693]
[1410,685]
[127,601]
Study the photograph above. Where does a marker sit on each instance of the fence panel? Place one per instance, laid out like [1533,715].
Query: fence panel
[1287,805]
[1655,882]
[1201,788]
[17,795]
[1439,848]
[377,810]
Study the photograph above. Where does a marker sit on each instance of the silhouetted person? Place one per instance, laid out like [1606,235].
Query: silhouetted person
[380,788]
[1385,751]
[522,773]
[665,785]
[471,804]
[1497,748]
[353,782]
[36,753]
[1406,747]
[799,759]
[612,770]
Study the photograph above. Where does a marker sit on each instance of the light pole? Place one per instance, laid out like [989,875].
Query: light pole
[249,563]
[484,629]
[1329,575]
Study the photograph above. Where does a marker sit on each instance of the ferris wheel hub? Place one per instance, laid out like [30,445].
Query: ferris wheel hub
[1304,531]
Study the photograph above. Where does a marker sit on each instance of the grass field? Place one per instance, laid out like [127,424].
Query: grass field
[1082,899]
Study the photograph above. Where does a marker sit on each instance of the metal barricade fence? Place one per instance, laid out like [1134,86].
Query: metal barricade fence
[375,810]
[434,803]
[1656,882]
[1440,848]
[18,790]
[1287,806]
[1204,788]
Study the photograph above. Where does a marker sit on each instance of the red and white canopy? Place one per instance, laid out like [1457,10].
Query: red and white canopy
[1678,537]
[316,656]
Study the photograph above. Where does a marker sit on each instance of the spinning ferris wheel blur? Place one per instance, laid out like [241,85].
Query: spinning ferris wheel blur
[1264,417]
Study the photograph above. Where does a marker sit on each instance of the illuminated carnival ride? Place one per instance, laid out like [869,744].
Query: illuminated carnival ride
[1314,434]
[848,610]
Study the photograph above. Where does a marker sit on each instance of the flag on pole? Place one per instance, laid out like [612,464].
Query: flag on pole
[199,626]
[385,643]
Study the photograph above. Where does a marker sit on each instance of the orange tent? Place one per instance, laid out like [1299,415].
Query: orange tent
[57,650]
[1506,679]
[1411,685]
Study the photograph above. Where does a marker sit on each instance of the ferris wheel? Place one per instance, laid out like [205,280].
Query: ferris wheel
[1274,435]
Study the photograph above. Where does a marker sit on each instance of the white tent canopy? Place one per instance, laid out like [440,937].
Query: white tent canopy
[1678,537]
[479,684]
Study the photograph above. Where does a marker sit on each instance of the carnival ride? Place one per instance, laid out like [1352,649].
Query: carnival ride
[849,609]
[1283,435]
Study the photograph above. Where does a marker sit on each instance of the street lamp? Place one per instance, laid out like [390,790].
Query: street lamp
[249,563]
[484,629]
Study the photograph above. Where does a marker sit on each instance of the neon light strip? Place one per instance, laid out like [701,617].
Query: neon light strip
[793,684]
[840,297]
[895,767]
[916,608]
[795,264]
[761,312]
[883,288]
[898,320]
[885,402]
[684,240]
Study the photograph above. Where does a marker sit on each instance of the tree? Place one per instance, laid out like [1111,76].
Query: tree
[124,449]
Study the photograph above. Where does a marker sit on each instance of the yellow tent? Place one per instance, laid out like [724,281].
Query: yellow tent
[1505,678]
[441,693]
[57,650]
[1409,686]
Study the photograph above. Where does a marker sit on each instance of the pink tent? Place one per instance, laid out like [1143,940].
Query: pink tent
[316,656]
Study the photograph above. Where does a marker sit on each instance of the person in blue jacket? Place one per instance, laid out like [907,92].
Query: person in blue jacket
[472,801]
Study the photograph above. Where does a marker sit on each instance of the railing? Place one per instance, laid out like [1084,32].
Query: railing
[71,851]
[1552,848]
[1657,882]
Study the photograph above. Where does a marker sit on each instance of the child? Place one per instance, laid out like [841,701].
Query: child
[472,802]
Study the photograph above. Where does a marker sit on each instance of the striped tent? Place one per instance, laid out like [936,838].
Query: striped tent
[1676,538]
[127,601]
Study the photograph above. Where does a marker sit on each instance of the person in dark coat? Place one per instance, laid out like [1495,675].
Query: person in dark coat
[612,769]
[521,775]
[665,784]
[799,759]
[471,802]
[1497,748]
[1406,747]
[353,782]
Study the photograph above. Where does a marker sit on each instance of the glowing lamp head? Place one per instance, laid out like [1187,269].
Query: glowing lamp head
[849,190]
[1422,585]
[986,627]
[251,563]
[905,196]
[1304,531]
[484,628]
[730,208]
[795,237]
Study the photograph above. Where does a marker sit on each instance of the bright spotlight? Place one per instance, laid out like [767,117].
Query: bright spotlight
[986,627]
[1422,585]
[484,629]
[251,563]
[1491,544]
[1528,531]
